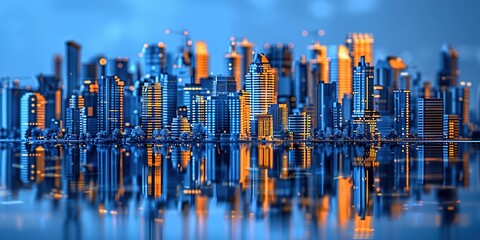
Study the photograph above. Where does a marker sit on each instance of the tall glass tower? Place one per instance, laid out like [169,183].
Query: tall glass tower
[364,115]
[110,104]
[260,83]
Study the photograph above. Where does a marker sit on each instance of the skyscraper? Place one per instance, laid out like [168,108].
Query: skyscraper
[110,104]
[318,61]
[32,112]
[450,126]
[223,85]
[88,115]
[245,48]
[280,57]
[239,115]
[73,67]
[364,116]
[264,128]
[201,61]
[73,115]
[218,121]
[449,72]
[388,77]
[279,113]
[154,59]
[328,106]
[50,87]
[299,125]
[151,107]
[169,98]
[260,83]
[401,99]
[360,44]
[301,81]
[119,68]
[340,69]
[430,118]
[233,65]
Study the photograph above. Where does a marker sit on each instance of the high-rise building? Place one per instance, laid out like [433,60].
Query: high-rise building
[233,65]
[223,85]
[430,118]
[389,76]
[280,57]
[180,124]
[51,88]
[279,113]
[301,81]
[462,108]
[88,115]
[154,59]
[32,112]
[245,48]
[328,106]
[360,44]
[198,112]
[73,115]
[364,115]
[299,125]
[218,119]
[318,61]
[449,71]
[264,126]
[401,99]
[340,69]
[110,104]
[169,98]
[201,61]
[119,68]
[450,126]
[260,84]
[151,107]
[239,115]
[73,67]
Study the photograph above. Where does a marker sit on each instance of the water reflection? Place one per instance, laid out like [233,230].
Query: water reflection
[239,191]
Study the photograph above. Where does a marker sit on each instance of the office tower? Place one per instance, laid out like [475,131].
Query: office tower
[58,68]
[32,112]
[73,112]
[364,116]
[233,65]
[201,61]
[119,68]
[51,88]
[223,85]
[73,68]
[110,104]
[389,76]
[347,108]
[450,126]
[180,125]
[301,81]
[169,98]
[427,90]
[183,69]
[328,106]
[299,125]
[401,100]
[318,61]
[154,59]
[94,69]
[430,118]
[186,95]
[151,107]
[360,44]
[462,108]
[245,48]
[280,57]
[260,84]
[264,126]
[198,112]
[239,115]
[449,71]
[88,115]
[218,121]
[340,69]
[279,113]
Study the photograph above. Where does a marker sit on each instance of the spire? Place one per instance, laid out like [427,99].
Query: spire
[260,58]
[362,62]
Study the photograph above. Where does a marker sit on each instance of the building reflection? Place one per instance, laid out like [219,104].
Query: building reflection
[298,189]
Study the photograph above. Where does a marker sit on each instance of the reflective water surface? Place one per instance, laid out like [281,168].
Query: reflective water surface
[240,191]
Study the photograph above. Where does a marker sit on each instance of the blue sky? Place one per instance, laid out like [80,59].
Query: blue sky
[32,31]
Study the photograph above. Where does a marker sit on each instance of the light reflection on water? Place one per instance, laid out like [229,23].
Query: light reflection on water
[239,191]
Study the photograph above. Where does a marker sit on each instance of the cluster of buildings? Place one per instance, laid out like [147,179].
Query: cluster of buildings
[268,94]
